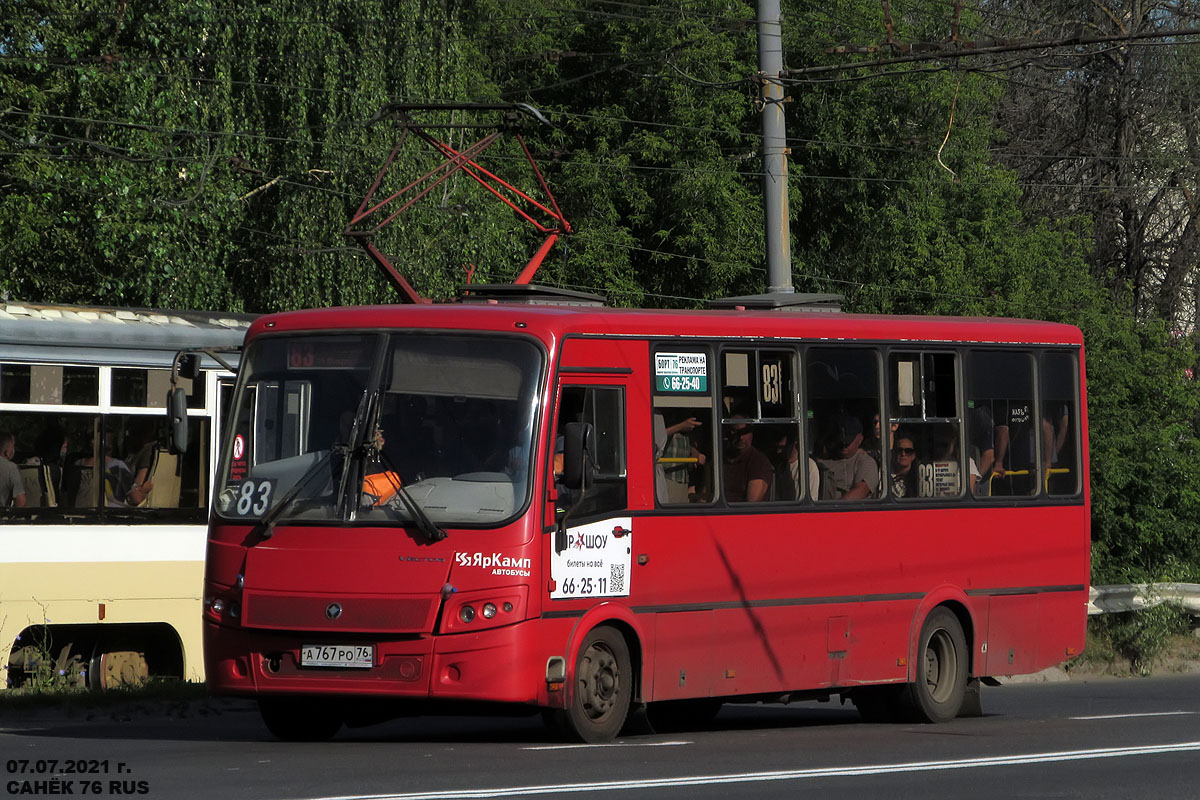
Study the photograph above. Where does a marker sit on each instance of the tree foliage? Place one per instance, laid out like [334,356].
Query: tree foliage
[190,154]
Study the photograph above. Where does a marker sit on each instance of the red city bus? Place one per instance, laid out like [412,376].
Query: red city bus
[614,515]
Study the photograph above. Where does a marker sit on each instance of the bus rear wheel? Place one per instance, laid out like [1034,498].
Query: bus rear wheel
[295,719]
[602,688]
[941,680]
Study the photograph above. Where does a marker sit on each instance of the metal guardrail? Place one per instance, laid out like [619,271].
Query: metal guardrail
[1139,596]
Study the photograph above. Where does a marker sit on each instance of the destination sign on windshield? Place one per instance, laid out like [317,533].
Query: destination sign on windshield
[343,353]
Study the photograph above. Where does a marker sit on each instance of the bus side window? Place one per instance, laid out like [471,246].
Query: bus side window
[924,457]
[843,404]
[1000,423]
[1060,414]
[684,425]
[602,407]
[761,439]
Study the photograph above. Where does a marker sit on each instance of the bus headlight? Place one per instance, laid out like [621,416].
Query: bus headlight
[488,608]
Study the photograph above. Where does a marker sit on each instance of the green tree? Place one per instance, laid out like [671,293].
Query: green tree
[186,154]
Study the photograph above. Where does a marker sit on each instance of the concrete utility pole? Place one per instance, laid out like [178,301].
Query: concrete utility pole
[774,149]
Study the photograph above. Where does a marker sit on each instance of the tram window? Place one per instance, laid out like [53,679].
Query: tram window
[86,465]
[142,388]
[58,454]
[49,384]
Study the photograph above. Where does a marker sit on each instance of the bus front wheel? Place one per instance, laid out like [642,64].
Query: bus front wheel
[941,680]
[602,688]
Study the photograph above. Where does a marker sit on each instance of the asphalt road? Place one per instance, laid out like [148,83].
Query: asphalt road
[1128,738]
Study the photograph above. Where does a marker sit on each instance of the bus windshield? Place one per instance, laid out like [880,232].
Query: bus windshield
[358,427]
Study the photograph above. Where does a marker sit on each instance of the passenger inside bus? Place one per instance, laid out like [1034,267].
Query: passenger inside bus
[380,484]
[946,462]
[982,437]
[854,474]
[747,471]
[786,461]
[904,466]
[678,461]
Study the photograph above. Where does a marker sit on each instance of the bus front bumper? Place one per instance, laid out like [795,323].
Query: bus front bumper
[497,665]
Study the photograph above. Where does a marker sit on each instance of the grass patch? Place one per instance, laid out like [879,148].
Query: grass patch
[172,697]
[1153,641]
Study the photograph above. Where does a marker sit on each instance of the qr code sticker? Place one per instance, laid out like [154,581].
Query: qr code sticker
[616,578]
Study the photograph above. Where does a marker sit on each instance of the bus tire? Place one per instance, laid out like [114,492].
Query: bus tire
[296,719]
[602,688]
[941,680]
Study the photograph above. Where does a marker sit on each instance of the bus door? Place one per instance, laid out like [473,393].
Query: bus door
[591,546]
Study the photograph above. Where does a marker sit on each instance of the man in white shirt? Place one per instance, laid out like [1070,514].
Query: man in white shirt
[12,488]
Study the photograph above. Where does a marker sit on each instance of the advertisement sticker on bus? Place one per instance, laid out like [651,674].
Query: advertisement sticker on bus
[495,563]
[681,372]
[595,562]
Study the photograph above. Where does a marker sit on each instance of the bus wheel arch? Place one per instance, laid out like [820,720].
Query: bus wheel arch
[940,672]
[602,683]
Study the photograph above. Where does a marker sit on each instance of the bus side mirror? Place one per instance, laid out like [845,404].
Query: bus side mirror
[177,416]
[189,366]
[576,456]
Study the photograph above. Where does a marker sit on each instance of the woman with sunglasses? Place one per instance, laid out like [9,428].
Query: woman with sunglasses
[904,465]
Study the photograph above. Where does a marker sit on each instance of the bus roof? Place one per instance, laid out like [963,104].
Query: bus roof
[558,321]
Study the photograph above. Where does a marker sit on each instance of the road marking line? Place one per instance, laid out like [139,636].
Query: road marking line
[1145,714]
[784,775]
[608,744]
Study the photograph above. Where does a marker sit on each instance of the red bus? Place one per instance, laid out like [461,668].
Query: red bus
[620,515]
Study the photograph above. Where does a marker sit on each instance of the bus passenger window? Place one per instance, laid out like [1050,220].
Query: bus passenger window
[1060,412]
[683,427]
[925,429]
[760,427]
[682,454]
[1000,423]
[843,406]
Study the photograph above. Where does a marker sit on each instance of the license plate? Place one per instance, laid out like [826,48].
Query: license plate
[351,656]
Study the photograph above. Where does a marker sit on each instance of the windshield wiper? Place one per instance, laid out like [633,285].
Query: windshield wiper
[354,453]
[430,529]
[266,526]
[359,453]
